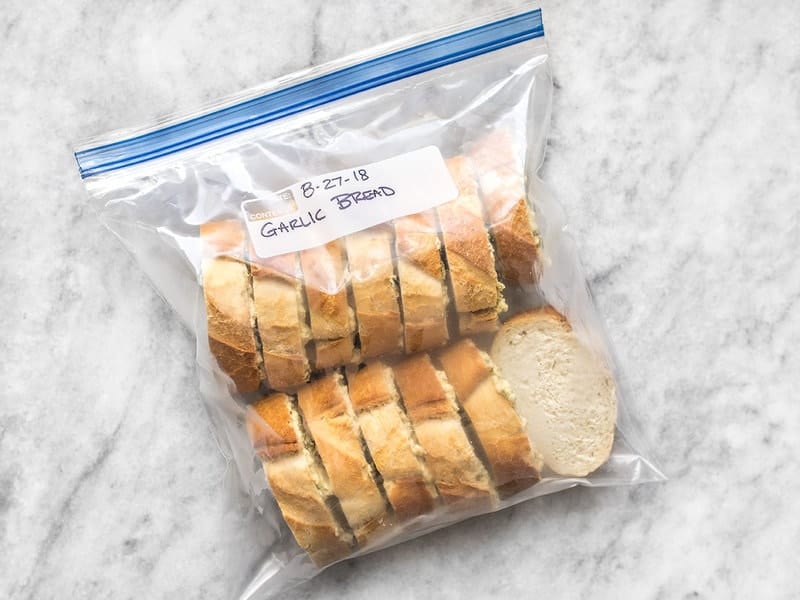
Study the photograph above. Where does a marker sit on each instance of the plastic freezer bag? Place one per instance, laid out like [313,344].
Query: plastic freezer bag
[393,331]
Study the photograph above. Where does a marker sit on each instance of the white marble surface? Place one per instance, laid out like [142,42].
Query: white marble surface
[674,150]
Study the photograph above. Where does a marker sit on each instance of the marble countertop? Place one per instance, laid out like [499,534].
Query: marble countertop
[674,150]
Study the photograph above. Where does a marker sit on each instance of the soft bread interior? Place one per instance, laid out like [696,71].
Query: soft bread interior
[564,392]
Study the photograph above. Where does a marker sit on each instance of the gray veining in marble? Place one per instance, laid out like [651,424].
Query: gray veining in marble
[675,140]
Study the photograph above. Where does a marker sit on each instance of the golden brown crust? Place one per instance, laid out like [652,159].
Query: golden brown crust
[516,242]
[223,238]
[325,408]
[480,321]
[511,220]
[389,436]
[369,255]
[371,386]
[226,287]
[280,318]
[420,273]
[421,390]
[498,427]
[464,366]
[470,258]
[410,497]
[543,312]
[295,480]
[458,474]
[269,424]
[330,315]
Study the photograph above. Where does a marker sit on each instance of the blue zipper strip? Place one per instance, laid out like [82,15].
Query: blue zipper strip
[311,93]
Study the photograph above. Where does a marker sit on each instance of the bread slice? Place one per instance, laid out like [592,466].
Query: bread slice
[369,258]
[337,437]
[226,287]
[512,222]
[459,475]
[420,273]
[390,438]
[331,317]
[477,292]
[489,404]
[563,390]
[281,319]
[297,480]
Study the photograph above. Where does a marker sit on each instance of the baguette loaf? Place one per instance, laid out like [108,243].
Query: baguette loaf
[325,407]
[565,393]
[458,473]
[390,438]
[298,483]
[511,220]
[226,287]
[477,292]
[489,404]
[281,319]
[422,287]
[332,321]
[369,256]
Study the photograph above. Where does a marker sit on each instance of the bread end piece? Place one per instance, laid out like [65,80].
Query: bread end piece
[226,288]
[565,393]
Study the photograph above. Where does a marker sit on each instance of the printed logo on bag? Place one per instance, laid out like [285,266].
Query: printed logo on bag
[319,210]
[269,207]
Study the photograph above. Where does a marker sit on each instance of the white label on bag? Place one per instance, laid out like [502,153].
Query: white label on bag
[327,207]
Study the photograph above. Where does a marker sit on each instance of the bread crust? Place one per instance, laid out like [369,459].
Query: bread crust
[297,484]
[458,474]
[332,425]
[331,317]
[280,317]
[499,429]
[389,435]
[470,258]
[271,429]
[226,288]
[572,426]
[511,219]
[420,273]
[369,257]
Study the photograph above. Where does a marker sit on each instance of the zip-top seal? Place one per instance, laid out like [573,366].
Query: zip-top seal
[311,93]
